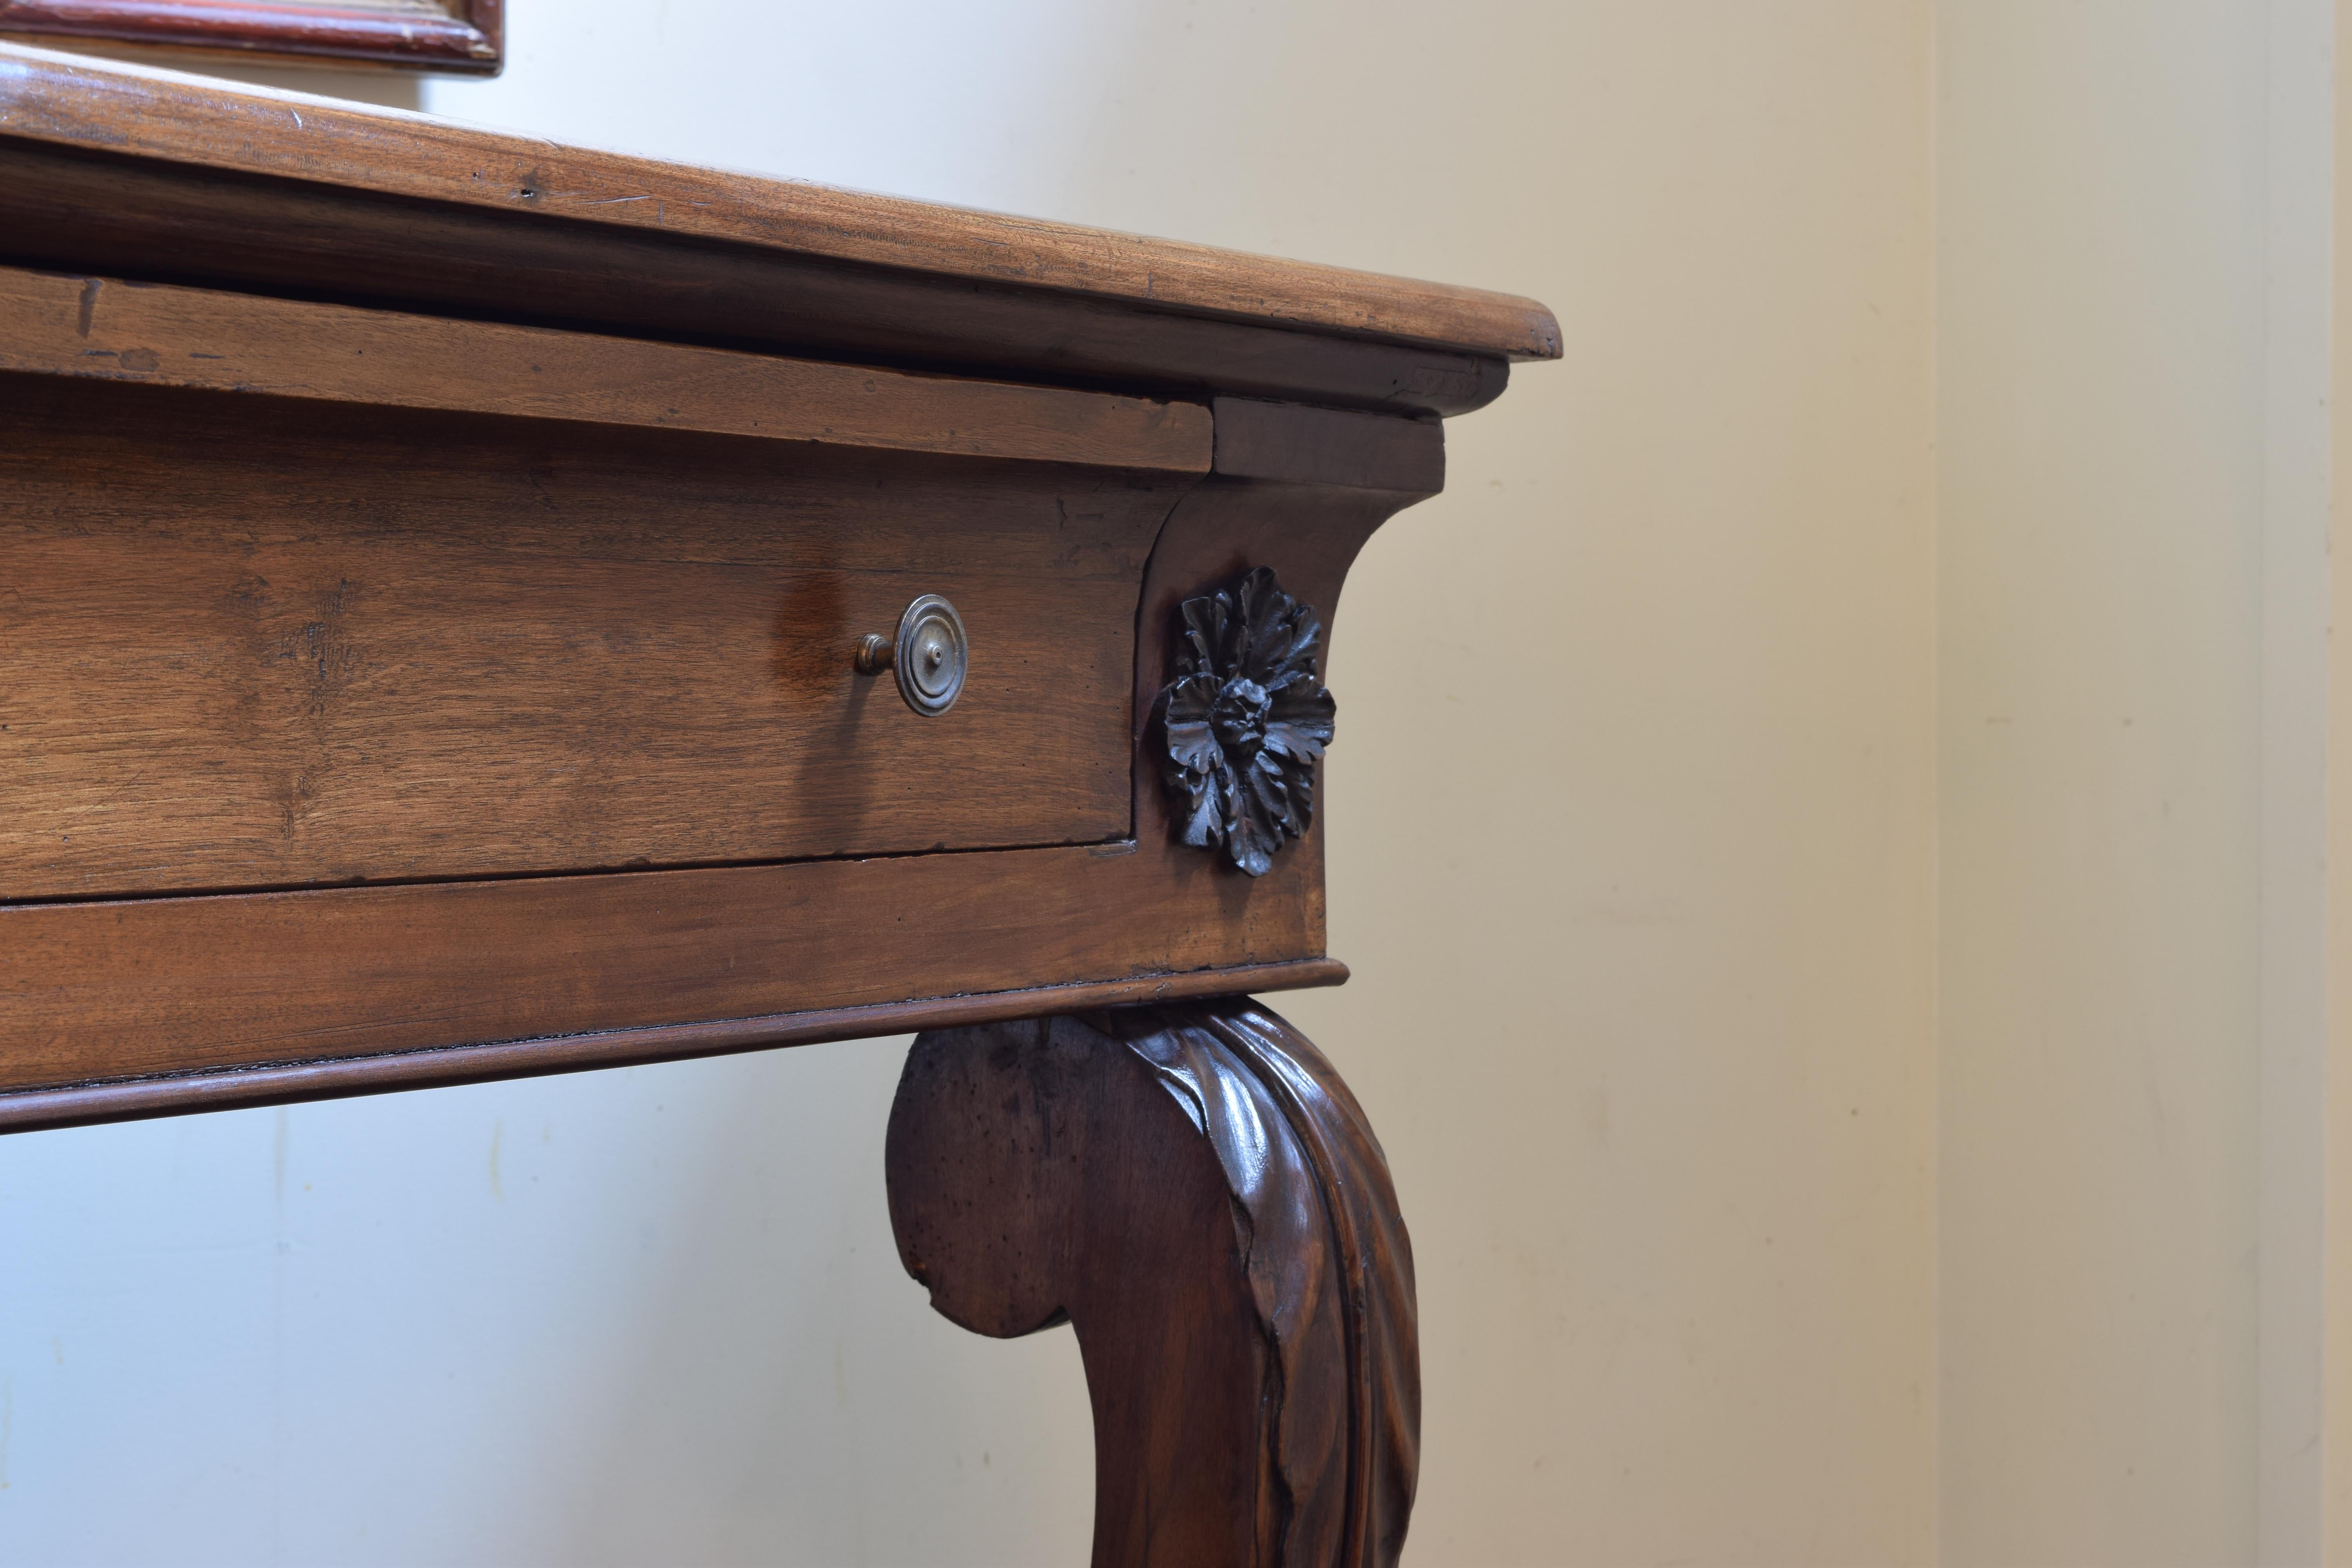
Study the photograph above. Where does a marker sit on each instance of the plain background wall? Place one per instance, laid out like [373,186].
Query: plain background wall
[2132,291]
[2335,1457]
[1938,459]
[1632,850]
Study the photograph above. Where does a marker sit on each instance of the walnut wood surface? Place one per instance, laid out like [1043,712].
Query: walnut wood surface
[461,37]
[431,656]
[299,981]
[864,250]
[101,329]
[338,1077]
[248,642]
[1298,492]
[1282,441]
[149,987]
[159,117]
[81,211]
[1194,1189]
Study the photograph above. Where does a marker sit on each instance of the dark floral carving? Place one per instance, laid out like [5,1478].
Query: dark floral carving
[1246,719]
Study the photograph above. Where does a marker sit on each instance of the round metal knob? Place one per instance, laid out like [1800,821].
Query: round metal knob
[929,656]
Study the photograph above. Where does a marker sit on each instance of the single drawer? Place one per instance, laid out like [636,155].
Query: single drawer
[495,622]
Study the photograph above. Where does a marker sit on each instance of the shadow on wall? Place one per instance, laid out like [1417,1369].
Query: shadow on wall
[386,89]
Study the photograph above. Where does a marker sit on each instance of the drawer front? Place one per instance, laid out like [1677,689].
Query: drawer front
[255,642]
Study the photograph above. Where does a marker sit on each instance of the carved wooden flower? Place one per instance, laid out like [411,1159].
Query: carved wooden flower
[1246,721]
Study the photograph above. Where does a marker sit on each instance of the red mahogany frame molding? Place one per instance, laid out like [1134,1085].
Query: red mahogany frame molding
[466,37]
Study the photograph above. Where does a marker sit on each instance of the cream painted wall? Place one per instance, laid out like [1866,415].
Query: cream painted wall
[2131,313]
[2335,1454]
[1938,459]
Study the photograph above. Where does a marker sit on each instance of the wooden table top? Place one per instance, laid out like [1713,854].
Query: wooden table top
[172,118]
[436,559]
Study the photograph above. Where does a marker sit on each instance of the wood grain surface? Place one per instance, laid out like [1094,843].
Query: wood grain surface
[1298,490]
[103,328]
[160,116]
[80,211]
[149,987]
[465,37]
[128,1100]
[1281,441]
[166,999]
[250,642]
[1197,1193]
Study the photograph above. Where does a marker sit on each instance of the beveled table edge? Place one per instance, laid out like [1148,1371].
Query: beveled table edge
[177,118]
[132,1099]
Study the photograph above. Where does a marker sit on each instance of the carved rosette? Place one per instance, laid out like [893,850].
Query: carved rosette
[1245,720]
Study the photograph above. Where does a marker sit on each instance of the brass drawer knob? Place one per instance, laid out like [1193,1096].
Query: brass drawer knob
[929,656]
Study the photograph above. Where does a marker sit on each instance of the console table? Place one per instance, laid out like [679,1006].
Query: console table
[471,607]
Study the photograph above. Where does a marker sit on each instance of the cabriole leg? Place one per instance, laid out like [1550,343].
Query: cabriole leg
[1196,1191]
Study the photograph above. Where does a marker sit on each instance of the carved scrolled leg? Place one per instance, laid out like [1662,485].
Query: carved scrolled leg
[1194,1189]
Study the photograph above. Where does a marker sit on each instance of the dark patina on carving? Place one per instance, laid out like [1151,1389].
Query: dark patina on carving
[1234,1263]
[1246,719]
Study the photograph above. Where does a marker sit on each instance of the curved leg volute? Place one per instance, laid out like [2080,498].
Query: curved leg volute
[1194,1189]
